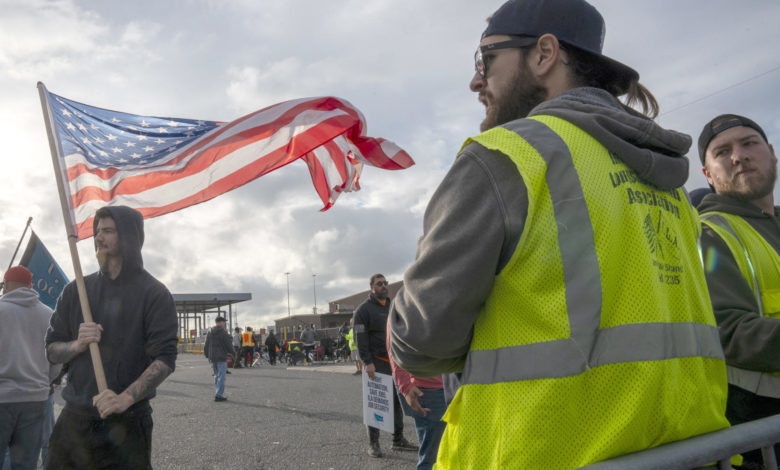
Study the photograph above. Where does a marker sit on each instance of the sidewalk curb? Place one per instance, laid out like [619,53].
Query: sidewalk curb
[345,369]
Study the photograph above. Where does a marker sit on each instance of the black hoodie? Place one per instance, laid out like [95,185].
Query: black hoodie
[370,322]
[136,311]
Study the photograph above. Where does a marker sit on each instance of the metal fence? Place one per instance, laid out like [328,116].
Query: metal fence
[702,451]
[192,348]
[195,345]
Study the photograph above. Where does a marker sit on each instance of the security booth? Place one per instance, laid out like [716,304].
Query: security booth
[196,313]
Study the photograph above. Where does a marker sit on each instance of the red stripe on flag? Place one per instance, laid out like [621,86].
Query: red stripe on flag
[205,159]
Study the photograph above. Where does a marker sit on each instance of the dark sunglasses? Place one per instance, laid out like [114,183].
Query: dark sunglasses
[381,283]
[517,42]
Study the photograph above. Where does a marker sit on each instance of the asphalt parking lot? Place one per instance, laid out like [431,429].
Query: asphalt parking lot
[275,418]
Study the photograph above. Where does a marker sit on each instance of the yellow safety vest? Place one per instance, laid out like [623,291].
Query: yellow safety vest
[759,264]
[598,337]
[247,340]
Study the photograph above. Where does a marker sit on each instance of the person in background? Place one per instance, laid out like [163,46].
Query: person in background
[423,400]
[218,347]
[353,351]
[237,348]
[308,338]
[272,345]
[741,247]
[257,337]
[247,346]
[25,374]
[370,320]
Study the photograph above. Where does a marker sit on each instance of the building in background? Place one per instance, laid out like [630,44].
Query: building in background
[327,324]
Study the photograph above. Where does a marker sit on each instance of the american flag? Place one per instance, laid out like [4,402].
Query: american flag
[159,165]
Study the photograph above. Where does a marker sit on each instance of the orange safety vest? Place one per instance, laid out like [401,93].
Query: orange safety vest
[247,339]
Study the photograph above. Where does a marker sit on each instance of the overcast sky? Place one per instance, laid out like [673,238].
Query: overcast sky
[405,64]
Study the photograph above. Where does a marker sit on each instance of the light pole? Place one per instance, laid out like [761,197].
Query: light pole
[288,294]
[314,284]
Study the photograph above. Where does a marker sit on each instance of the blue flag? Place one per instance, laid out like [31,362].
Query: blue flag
[48,278]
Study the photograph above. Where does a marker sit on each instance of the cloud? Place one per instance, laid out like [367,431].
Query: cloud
[405,64]
[42,37]
[48,38]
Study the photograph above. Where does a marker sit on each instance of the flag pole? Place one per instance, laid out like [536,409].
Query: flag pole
[13,257]
[70,229]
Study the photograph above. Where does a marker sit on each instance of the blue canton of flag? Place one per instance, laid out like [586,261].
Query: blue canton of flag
[111,139]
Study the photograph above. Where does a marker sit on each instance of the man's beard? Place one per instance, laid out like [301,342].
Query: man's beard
[102,259]
[526,93]
[735,190]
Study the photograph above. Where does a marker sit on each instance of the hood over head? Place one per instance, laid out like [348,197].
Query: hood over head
[130,229]
[654,153]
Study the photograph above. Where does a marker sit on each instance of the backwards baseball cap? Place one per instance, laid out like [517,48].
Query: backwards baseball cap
[575,23]
[18,274]
[720,124]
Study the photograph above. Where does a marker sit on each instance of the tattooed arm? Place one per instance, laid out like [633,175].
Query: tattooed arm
[108,402]
[60,352]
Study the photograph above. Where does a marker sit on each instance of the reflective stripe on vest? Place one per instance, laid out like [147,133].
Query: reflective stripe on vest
[563,358]
[247,340]
[587,346]
[763,384]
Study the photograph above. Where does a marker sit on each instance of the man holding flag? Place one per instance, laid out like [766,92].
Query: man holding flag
[144,166]
[135,327]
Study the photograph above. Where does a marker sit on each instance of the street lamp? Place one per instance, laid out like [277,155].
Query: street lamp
[314,283]
[288,294]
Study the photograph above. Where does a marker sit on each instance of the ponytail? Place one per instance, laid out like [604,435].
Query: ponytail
[638,95]
[586,70]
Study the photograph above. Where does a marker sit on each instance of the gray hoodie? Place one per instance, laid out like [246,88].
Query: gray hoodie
[476,217]
[25,373]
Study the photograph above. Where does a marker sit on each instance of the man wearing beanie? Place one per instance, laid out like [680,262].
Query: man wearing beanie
[135,326]
[558,271]
[740,245]
[25,373]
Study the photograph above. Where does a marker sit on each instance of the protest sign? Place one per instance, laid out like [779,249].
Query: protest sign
[378,401]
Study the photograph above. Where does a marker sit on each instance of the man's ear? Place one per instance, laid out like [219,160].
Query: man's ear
[707,174]
[545,55]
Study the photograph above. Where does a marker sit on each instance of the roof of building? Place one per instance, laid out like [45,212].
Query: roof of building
[199,303]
